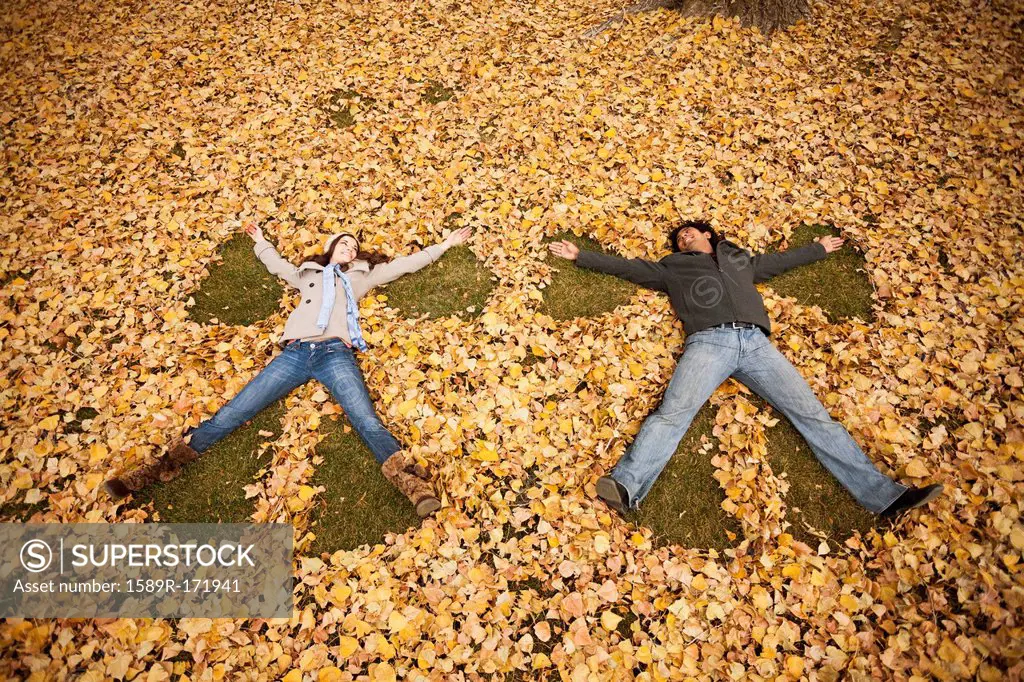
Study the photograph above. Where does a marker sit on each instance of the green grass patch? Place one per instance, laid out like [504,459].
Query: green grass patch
[359,506]
[456,282]
[817,504]
[541,588]
[578,292]
[211,489]
[436,92]
[21,512]
[684,507]
[893,37]
[838,284]
[82,415]
[8,277]
[238,290]
[337,107]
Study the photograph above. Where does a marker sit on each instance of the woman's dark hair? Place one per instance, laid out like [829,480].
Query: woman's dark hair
[323,259]
[700,225]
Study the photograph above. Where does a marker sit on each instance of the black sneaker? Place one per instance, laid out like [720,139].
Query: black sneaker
[911,498]
[613,493]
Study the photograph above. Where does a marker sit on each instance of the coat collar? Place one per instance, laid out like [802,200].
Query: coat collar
[362,266]
[682,255]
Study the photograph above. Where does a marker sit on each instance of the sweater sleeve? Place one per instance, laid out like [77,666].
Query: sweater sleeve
[275,264]
[636,270]
[393,269]
[767,265]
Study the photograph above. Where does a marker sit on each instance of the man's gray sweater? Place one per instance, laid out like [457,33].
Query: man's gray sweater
[705,291]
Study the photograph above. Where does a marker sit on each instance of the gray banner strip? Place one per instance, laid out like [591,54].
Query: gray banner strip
[145,570]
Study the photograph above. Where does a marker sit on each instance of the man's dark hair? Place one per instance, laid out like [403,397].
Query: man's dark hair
[700,225]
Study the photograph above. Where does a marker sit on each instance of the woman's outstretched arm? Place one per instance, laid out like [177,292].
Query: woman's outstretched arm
[392,270]
[269,256]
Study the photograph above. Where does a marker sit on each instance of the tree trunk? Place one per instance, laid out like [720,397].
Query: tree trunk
[767,15]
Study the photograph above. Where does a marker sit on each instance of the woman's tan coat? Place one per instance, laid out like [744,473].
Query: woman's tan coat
[308,279]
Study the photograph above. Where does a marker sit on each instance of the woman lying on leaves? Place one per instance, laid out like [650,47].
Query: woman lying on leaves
[320,339]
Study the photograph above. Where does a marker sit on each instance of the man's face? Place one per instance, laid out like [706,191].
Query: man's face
[345,251]
[692,239]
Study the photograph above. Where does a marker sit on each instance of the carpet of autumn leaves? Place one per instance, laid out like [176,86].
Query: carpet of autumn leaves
[136,136]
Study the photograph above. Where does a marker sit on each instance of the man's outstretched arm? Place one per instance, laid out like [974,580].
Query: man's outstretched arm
[767,265]
[636,270]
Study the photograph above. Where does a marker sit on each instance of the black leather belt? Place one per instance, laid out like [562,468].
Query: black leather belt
[735,325]
[333,338]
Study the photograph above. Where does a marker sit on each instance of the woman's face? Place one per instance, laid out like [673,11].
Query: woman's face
[345,251]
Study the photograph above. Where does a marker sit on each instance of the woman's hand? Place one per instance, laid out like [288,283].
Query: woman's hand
[830,243]
[564,249]
[253,231]
[459,236]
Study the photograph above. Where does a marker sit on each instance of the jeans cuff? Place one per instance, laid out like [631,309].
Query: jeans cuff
[387,456]
[902,489]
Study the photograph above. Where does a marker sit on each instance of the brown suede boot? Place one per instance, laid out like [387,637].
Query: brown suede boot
[413,481]
[163,468]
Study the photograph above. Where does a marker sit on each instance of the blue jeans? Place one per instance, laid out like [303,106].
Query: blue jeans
[710,357]
[330,362]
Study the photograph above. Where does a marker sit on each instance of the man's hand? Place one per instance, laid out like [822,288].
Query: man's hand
[564,249]
[457,237]
[830,243]
[253,231]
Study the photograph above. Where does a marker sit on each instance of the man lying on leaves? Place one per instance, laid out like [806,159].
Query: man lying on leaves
[710,283]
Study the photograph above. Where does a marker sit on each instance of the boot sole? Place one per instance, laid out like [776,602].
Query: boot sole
[927,498]
[427,506]
[609,492]
[920,503]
